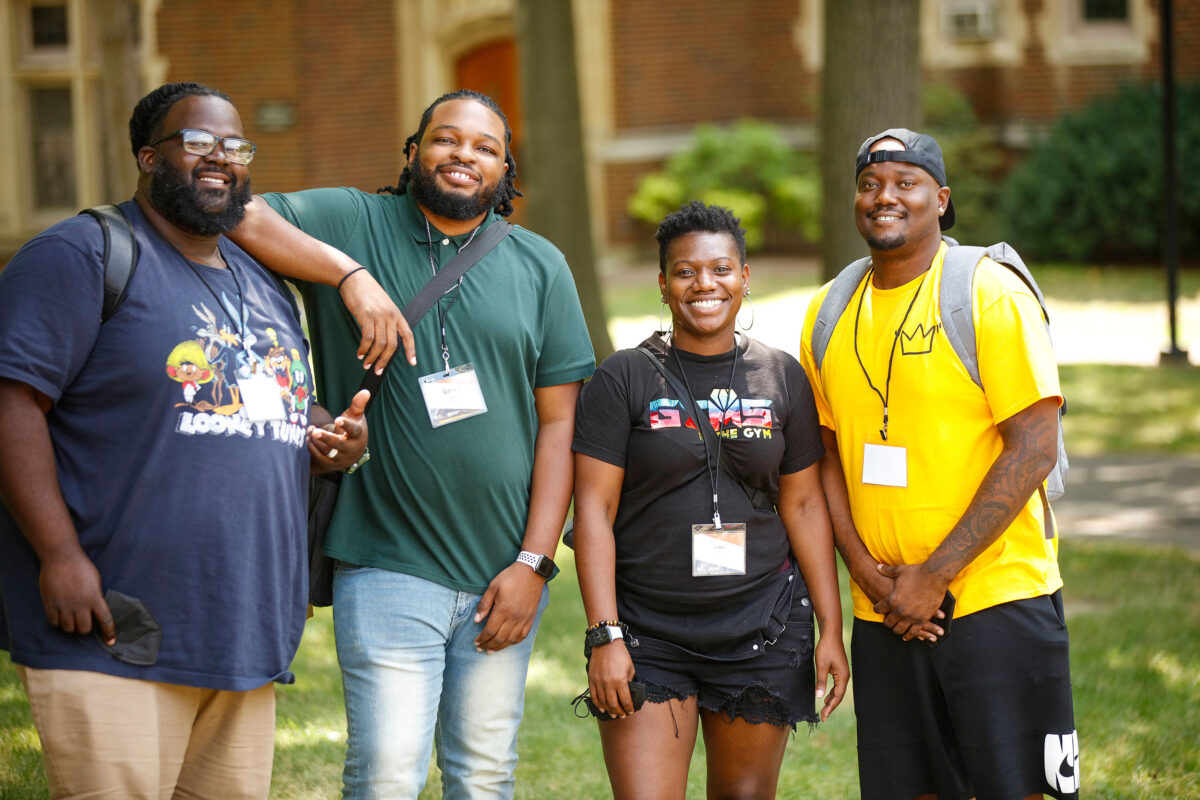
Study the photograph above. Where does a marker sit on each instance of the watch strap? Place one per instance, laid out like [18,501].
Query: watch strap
[542,565]
[604,634]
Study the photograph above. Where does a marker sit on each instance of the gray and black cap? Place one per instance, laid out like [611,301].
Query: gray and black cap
[919,149]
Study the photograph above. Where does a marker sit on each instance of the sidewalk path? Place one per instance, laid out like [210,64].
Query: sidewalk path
[1101,332]
[1149,498]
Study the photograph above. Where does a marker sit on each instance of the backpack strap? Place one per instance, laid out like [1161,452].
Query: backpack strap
[834,305]
[955,299]
[120,255]
[955,304]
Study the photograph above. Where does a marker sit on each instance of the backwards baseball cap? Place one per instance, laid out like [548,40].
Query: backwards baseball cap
[919,149]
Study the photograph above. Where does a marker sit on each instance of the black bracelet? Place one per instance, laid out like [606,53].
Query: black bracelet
[347,275]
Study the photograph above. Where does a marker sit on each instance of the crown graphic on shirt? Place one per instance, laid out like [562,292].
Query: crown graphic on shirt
[918,342]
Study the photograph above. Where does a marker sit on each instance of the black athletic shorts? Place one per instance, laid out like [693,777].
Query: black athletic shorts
[985,713]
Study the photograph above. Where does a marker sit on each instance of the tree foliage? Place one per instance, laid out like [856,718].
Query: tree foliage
[747,167]
[1093,188]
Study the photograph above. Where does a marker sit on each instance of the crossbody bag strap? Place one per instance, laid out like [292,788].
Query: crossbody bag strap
[758,498]
[440,283]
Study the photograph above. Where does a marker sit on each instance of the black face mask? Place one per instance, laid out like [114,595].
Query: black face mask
[138,632]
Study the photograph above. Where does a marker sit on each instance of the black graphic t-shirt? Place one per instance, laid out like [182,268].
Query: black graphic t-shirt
[179,496]
[629,416]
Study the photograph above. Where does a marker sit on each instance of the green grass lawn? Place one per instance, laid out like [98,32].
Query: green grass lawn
[1135,659]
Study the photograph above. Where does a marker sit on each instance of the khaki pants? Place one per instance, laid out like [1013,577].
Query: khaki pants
[109,737]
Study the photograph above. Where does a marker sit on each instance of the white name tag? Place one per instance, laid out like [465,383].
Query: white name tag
[719,552]
[262,398]
[451,396]
[884,465]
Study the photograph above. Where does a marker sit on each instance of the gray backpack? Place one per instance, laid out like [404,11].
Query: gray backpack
[958,323]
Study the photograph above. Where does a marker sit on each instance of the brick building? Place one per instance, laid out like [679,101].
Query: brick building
[330,90]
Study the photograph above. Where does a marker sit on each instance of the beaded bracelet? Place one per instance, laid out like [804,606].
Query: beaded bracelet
[613,623]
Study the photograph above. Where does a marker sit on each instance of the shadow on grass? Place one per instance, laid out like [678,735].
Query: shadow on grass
[1121,409]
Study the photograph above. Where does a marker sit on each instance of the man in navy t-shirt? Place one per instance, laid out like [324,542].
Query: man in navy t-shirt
[155,468]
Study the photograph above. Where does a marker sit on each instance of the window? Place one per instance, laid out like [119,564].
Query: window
[970,20]
[52,148]
[48,25]
[1105,10]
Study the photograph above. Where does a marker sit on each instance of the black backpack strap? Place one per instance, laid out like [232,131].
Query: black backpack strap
[120,255]
[758,498]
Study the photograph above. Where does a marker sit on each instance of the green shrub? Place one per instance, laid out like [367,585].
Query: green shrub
[747,167]
[1093,188]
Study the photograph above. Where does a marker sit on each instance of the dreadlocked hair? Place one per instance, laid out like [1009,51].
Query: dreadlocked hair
[506,192]
[148,115]
[696,216]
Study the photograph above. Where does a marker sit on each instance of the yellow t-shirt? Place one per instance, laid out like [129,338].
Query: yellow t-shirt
[945,422]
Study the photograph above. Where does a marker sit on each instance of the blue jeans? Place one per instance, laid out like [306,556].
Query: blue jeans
[411,674]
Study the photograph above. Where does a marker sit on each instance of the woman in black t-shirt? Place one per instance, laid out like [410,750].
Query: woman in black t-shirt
[694,585]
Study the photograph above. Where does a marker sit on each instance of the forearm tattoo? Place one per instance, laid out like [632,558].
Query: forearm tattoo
[1030,449]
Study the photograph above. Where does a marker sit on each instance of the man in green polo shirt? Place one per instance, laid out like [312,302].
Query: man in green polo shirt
[446,536]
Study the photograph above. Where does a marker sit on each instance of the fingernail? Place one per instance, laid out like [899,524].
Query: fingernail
[820,691]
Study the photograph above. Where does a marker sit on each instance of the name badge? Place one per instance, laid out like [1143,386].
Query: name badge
[719,552]
[262,398]
[451,396]
[884,465]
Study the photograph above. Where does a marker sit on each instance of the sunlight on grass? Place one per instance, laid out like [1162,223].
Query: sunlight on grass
[289,736]
[551,675]
[1174,673]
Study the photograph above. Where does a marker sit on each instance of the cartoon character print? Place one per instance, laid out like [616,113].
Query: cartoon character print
[187,365]
[278,364]
[217,341]
[298,374]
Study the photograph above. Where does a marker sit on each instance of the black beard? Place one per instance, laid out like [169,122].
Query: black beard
[184,204]
[451,205]
[885,243]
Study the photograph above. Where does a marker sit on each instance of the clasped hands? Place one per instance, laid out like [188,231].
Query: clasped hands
[909,597]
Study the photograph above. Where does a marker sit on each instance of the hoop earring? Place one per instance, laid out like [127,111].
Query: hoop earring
[738,319]
[661,329]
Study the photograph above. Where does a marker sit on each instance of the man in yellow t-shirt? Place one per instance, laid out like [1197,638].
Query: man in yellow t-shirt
[959,644]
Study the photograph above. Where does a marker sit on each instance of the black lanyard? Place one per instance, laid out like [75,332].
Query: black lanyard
[887,386]
[712,466]
[456,288]
[241,320]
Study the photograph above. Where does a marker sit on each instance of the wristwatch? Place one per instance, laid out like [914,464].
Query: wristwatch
[542,565]
[604,634]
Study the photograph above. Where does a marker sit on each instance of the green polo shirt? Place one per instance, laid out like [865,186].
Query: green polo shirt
[446,504]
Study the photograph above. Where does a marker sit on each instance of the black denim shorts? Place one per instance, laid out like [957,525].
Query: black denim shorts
[775,686]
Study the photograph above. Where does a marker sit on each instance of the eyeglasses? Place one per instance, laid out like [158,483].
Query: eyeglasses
[201,143]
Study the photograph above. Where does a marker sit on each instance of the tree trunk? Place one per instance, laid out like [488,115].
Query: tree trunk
[553,171]
[871,81]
